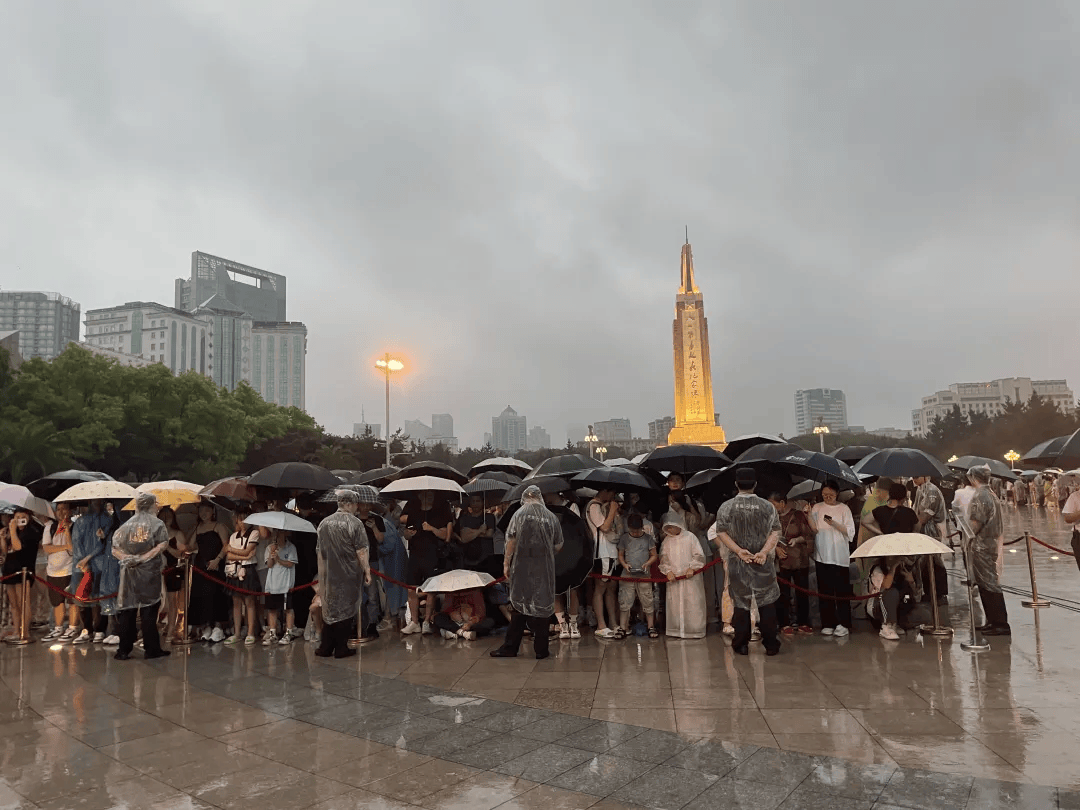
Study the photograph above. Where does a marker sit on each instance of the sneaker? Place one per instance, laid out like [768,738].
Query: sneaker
[55,633]
[296,632]
[841,631]
[99,637]
[207,633]
[217,635]
[70,635]
[83,637]
[428,628]
[469,635]
[270,638]
[729,630]
[410,628]
[112,641]
[806,629]
[788,631]
[448,635]
[231,640]
[575,631]
[607,632]
[249,641]
[755,635]
[286,639]
[826,631]
[887,631]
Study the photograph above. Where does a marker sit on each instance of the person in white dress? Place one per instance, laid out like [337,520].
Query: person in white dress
[681,555]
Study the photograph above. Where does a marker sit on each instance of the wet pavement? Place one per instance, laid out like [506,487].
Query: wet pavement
[420,721]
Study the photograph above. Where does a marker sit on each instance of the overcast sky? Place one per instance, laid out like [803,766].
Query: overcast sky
[882,198]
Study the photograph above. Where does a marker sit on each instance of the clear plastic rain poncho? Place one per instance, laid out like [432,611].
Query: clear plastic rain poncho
[133,545]
[685,608]
[341,537]
[985,511]
[749,520]
[536,535]
[929,500]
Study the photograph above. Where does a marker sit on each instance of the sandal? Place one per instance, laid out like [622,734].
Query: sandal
[619,634]
[653,633]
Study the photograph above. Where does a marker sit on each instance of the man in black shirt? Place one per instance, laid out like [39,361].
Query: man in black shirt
[476,528]
[894,517]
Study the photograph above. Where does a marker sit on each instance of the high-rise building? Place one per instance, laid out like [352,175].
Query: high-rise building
[989,398]
[613,431]
[361,428]
[153,332]
[820,406]
[46,322]
[539,439]
[279,362]
[509,432]
[660,428]
[256,292]
[442,424]
[440,432]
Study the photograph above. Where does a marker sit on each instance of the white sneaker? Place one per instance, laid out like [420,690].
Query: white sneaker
[468,635]
[286,639]
[841,631]
[564,630]
[448,635]
[111,641]
[83,637]
[410,628]
[207,633]
[755,635]
[428,628]
[270,638]
[728,630]
[889,632]
[575,631]
[826,631]
[99,637]
[217,635]
[55,633]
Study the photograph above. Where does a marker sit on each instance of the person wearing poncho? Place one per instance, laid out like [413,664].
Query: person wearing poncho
[748,529]
[138,545]
[985,518]
[343,560]
[533,538]
[681,556]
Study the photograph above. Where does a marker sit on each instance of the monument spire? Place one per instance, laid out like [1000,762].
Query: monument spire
[687,285]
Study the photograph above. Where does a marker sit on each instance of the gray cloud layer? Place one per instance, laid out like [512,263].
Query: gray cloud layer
[881,198]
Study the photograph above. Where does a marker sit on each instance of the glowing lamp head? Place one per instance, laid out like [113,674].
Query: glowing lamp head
[389,365]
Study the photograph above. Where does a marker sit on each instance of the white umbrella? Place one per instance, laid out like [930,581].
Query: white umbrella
[457,580]
[901,544]
[489,463]
[618,462]
[97,490]
[422,483]
[1069,479]
[286,521]
[640,457]
[162,486]
[21,496]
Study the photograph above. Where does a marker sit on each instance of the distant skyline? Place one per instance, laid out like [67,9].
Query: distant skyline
[482,190]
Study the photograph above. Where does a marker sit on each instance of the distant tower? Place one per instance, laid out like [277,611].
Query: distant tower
[695,421]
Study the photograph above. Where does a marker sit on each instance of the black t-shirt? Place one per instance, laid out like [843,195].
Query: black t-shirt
[482,547]
[425,545]
[900,519]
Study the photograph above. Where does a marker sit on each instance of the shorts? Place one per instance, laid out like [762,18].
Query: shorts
[174,579]
[606,567]
[641,590]
[278,601]
[57,599]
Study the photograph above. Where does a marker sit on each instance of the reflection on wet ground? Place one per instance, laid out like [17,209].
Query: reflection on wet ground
[839,723]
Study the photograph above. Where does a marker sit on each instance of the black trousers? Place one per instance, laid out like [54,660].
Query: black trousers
[147,616]
[800,577]
[335,639]
[997,614]
[87,615]
[835,581]
[767,624]
[516,631]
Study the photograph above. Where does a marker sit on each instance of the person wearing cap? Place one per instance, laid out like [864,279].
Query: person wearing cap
[138,545]
[748,529]
[342,549]
[986,521]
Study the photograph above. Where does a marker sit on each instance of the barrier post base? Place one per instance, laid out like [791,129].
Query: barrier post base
[972,647]
[1036,603]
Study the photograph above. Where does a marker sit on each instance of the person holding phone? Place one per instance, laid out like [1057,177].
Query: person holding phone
[21,544]
[834,529]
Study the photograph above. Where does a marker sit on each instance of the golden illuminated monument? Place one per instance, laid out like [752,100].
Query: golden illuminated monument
[695,420]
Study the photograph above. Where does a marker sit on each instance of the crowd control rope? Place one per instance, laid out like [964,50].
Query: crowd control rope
[245,591]
[69,595]
[1052,548]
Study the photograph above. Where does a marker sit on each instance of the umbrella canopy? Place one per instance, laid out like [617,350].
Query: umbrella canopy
[169,486]
[173,498]
[820,467]
[998,469]
[232,490]
[1069,454]
[23,498]
[96,490]
[378,478]
[286,521]
[768,451]
[513,466]
[685,459]
[456,580]
[504,477]
[640,457]
[618,462]
[366,494]
[703,478]
[902,462]
[546,484]
[574,560]
[1044,453]
[1028,475]
[720,486]
[483,485]
[853,454]
[1069,479]
[736,447]
[295,475]
[433,469]
[422,483]
[53,484]
[620,479]
[565,465]
[347,476]
[901,544]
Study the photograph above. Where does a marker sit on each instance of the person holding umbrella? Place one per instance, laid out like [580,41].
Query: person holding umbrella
[985,518]
[533,538]
[138,544]
[343,554]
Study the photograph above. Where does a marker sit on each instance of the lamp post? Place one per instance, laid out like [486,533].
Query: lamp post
[820,432]
[387,364]
[592,439]
[1012,457]
[602,451]
[953,458]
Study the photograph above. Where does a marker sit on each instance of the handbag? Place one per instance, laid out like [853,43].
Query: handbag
[86,586]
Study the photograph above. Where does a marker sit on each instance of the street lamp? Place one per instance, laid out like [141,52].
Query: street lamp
[820,432]
[387,364]
[1012,457]
[953,458]
[592,439]
[602,451]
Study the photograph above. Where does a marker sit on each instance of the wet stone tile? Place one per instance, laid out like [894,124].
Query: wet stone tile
[554,727]
[740,794]
[665,788]
[925,789]
[840,778]
[989,794]
[803,799]
[544,764]
[602,736]
[513,718]
[776,767]
[449,740]
[651,746]
[494,751]
[710,756]
[601,776]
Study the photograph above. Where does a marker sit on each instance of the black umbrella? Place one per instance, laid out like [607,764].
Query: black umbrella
[1069,453]
[53,484]
[998,469]
[378,478]
[819,467]
[703,478]
[485,485]
[620,479]
[505,477]
[685,459]
[768,451]
[346,476]
[295,475]
[902,462]
[853,454]
[736,447]
[1044,453]
[507,465]
[720,487]
[546,484]
[564,465]
[434,468]
[574,560]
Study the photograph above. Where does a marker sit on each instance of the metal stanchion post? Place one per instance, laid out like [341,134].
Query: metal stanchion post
[182,618]
[1035,601]
[24,622]
[936,629]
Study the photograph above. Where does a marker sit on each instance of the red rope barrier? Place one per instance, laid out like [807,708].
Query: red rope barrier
[1053,548]
[245,591]
[73,597]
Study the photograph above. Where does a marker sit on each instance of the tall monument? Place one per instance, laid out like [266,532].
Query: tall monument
[695,420]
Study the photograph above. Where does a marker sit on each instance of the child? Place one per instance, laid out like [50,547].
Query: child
[281,560]
[681,555]
[464,616]
[637,553]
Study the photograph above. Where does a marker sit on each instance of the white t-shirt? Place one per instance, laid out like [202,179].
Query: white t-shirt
[58,564]
[606,542]
[831,543]
[1073,504]
[239,542]
[962,500]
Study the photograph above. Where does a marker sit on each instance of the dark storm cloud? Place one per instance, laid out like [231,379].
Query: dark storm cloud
[498,191]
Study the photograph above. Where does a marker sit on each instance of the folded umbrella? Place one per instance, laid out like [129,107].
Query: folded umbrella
[23,498]
[422,483]
[286,521]
[96,490]
[620,479]
[513,466]
[53,484]
[685,459]
[902,462]
[737,446]
[901,544]
[295,475]
[565,465]
[456,580]
[434,469]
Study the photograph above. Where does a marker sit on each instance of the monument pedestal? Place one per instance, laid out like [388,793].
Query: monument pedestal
[700,433]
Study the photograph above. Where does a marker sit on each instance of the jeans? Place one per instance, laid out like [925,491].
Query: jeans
[539,626]
[800,577]
[148,618]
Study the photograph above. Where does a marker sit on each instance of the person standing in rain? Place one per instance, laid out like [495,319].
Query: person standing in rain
[343,560]
[930,508]
[533,538]
[681,556]
[138,544]
[985,518]
[748,527]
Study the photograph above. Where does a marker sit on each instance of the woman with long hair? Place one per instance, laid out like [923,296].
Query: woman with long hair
[173,575]
[240,572]
[207,604]
[21,544]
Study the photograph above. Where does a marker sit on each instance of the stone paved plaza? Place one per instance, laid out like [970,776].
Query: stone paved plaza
[830,723]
